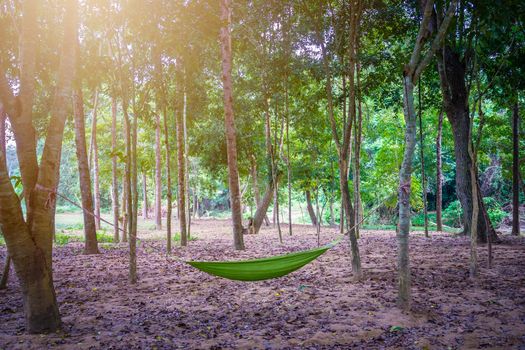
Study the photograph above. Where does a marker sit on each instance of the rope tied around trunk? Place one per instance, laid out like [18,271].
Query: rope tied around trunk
[51,195]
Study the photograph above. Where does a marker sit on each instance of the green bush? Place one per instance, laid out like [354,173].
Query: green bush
[452,214]
[494,210]
[419,219]
[104,237]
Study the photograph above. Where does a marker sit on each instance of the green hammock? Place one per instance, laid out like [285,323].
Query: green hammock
[261,269]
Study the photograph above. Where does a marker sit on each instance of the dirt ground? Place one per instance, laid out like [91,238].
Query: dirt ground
[317,307]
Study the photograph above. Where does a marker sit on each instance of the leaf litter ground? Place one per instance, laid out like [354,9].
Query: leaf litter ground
[318,307]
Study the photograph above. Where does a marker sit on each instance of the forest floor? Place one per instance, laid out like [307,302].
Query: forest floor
[318,307]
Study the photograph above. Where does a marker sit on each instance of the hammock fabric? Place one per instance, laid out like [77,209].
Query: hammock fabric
[260,269]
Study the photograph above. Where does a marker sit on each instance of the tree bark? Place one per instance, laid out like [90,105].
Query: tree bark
[128,189]
[422,156]
[114,177]
[5,273]
[310,208]
[455,97]
[262,209]
[158,175]
[144,196]
[231,143]
[181,176]
[3,118]
[186,164]
[439,175]
[515,170]
[30,242]
[90,231]
[96,171]
[168,182]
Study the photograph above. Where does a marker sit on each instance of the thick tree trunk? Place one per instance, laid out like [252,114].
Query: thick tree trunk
[515,170]
[158,175]
[439,175]
[144,196]
[5,272]
[94,148]
[90,231]
[231,143]
[30,243]
[114,177]
[455,96]
[310,208]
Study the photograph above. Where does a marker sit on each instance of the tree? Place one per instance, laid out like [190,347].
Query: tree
[114,176]
[96,168]
[231,144]
[411,74]
[29,240]
[90,231]
[515,170]
[439,174]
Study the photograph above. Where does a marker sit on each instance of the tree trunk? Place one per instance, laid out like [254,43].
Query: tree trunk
[168,183]
[422,156]
[473,271]
[90,231]
[30,242]
[96,171]
[158,175]
[181,176]
[262,209]
[5,273]
[405,175]
[455,97]
[144,196]
[129,190]
[310,208]
[231,143]
[439,175]
[114,178]
[515,170]
[186,164]
[3,148]
[124,210]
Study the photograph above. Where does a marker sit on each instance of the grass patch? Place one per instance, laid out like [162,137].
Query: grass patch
[176,237]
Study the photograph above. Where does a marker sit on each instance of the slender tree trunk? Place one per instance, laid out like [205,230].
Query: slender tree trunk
[114,177]
[439,175]
[310,208]
[124,210]
[318,215]
[262,209]
[473,271]
[422,155]
[168,183]
[515,170]
[181,176]
[5,273]
[158,175]
[144,196]
[90,232]
[134,195]
[96,171]
[231,143]
[186,164]
[128,189]
[404,194]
